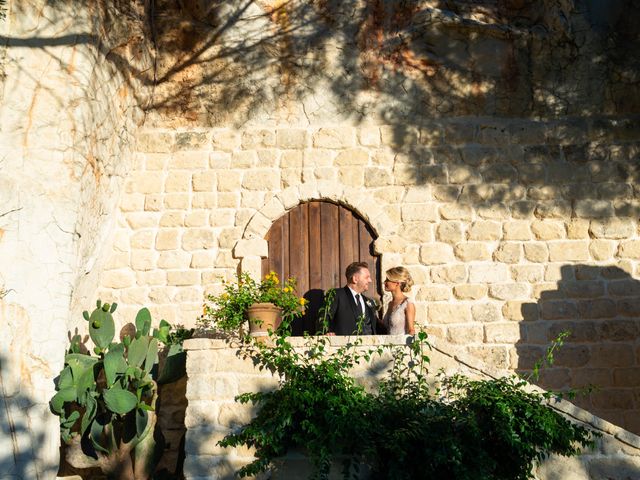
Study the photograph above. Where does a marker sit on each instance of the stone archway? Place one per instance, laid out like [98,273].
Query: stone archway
[253,247]
[313,243]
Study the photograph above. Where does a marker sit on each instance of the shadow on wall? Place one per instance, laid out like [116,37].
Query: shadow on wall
[600,307]
[19,435]
[393,58]
[596,467]
[404,62]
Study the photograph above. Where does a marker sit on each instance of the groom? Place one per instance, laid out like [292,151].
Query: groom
[350,312]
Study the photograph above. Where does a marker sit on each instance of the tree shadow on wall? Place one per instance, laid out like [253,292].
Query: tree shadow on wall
[600,307]
[20,436]
[393,58]
[403,62]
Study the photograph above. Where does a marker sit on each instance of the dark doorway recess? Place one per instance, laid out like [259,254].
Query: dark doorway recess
[314,243]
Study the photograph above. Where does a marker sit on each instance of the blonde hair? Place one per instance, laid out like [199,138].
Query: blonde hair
[402,276]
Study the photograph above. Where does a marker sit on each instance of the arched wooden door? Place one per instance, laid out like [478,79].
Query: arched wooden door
[314,243]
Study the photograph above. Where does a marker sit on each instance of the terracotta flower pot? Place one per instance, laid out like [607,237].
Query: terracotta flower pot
[262,318]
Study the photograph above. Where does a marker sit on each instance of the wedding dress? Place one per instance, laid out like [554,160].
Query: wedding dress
[395,319]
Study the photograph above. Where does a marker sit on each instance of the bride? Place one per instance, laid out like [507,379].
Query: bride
[401,312]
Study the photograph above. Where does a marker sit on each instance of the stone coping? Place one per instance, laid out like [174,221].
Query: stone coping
[335,341]
[445,348]
[563,406]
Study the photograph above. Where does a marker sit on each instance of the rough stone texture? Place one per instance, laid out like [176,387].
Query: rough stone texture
[507,166]
[67,126]
[217,372]
[507,245]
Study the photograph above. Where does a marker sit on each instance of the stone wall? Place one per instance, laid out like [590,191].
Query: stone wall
[66,122]
[513,230]
[217,373]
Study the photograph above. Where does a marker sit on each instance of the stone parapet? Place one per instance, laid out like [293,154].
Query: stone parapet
[217,372]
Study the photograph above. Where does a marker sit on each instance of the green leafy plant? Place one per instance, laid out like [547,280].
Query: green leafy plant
[323,312]
[317,406]
[227,311]
[548,358]
[409,427]
[106,403]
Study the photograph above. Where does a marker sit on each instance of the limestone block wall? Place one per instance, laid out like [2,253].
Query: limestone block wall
[535,220]
[66,120]
[217,373]
[514,230]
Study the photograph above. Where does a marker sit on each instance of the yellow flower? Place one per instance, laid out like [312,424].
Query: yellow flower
[303,301]
[286,289]
[271,277]
[225,296]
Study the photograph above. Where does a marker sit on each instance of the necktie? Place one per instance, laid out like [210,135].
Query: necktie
[359,303]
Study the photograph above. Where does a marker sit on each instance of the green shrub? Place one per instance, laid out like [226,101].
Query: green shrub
[318,406]
[406,428]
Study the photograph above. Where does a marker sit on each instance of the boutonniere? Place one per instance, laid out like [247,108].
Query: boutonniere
[371,303]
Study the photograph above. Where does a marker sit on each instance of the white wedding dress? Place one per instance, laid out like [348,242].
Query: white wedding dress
[395,318]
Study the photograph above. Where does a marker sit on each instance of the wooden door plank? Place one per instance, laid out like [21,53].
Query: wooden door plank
[355,235]
[298,247]
[315,250]
[304,276]
[294,240]
[330,242]
[284,270]
[347,253]
[315,293]
[276,247]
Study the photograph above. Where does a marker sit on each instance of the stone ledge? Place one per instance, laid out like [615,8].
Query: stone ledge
[562,406]
[194,344]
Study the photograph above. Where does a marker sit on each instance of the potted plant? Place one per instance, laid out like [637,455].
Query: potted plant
[266,305]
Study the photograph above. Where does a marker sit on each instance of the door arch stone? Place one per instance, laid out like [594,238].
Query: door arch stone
[252,248]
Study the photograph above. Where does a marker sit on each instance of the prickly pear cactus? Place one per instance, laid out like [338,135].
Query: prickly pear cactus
[102,328]
[109,399]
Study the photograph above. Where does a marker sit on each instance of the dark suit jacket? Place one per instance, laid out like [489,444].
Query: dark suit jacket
[343,313]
